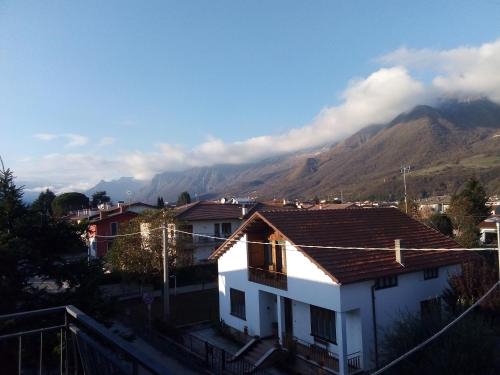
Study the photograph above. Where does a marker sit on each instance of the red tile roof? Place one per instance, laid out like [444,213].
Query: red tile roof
[375,228]
[490,222]
[206,210]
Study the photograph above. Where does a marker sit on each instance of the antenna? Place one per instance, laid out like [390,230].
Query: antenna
[404,171]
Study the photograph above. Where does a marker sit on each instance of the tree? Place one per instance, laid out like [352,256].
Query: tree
[184,198]
[66,202]
[441,223]
[99,197]
[160,203]
[43,204]
[466,348]
[467,209]
[141,255]
[11,204]
[413,208]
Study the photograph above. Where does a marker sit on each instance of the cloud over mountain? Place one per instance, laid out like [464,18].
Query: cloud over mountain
[462,72]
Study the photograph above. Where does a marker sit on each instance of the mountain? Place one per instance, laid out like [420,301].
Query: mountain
[118,189]
[444,145]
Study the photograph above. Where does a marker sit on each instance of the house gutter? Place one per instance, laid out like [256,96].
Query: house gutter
[374,319]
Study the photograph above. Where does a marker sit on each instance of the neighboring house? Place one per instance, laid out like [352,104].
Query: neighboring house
[107,223]
[488,230]
[432,205]
[334,206]
[78,216]
[330,305]
[211,219]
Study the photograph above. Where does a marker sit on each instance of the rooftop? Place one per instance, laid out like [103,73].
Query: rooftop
[366,228]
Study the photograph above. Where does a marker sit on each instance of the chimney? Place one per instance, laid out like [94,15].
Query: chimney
[399,254]
[244,210]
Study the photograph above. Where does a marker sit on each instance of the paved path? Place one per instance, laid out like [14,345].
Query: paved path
[173,364]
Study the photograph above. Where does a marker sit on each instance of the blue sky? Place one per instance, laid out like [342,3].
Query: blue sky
[100,89]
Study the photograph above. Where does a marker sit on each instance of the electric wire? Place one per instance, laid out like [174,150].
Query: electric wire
[302,246]
[437,334]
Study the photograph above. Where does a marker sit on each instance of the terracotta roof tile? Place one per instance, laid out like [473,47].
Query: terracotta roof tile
[375,228]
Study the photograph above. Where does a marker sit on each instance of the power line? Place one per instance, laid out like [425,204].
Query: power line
[303,246]
[437,334]
[332,247]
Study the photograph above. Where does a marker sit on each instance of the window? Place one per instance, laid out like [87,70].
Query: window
[226,229]
[431,273]
[217,230]
[323,324]
[431,309]
[237,303]
[114,229]
[386,282]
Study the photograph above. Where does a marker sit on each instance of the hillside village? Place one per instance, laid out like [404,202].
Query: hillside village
[249,188]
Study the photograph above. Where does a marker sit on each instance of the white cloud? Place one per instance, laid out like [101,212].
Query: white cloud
[459,72]
[377,98]
[75,140]
[72,140]
[106,141]
[45,136]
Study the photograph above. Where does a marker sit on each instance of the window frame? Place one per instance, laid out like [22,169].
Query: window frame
[115,224]
[318,317]
[237,303]
[225,233]
[431,273]
[386,282]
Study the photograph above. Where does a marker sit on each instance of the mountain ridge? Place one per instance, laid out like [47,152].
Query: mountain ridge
[445,144]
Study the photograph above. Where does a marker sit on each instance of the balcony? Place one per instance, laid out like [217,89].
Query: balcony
[270,278]
[64,340]
[322,356]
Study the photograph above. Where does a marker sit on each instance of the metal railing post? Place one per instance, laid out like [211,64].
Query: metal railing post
[41,351]
[20,361]
[61,351]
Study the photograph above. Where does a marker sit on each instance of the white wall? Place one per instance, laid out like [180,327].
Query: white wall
[307,284]
[201,251]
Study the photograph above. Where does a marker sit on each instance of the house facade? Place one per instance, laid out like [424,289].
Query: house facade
[488,230]
[331,305]
[107,223]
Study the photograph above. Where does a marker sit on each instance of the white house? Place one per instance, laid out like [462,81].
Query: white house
[332,305]
[211,219]
[488,230]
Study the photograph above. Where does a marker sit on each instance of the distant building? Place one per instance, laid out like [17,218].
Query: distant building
[488,230]
[432,205]
[330,305]
[106,222]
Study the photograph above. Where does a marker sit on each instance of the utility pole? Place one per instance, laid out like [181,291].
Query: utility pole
[404,170]
[166,292]
[498,245]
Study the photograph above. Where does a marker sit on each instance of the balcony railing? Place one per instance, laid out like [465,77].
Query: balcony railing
[322,356]
[270,278]
[64,340]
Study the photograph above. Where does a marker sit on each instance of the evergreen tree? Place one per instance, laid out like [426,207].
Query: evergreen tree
[467,209]
[66,202]
[11,203]
[160,203]
[43,204]
[184,198]
[441,223]
[99,197]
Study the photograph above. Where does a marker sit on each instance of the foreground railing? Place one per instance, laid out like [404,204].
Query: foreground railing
[63,340]
[270,278]
[322,356]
